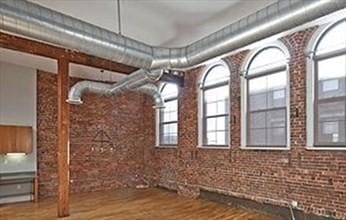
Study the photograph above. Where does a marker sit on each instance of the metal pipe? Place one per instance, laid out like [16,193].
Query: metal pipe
[35,21]
[136,80]
[153,91]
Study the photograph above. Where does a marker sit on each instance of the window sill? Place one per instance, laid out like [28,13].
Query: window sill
[166,146]
[266,148]
[214,147]
[326,148]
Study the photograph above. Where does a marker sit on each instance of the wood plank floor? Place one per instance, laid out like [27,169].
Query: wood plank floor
[130,204]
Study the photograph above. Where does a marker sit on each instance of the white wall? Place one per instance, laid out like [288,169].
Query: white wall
[18,107]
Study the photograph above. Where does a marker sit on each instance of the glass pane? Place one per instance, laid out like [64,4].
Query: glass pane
[216,138]
[266,59]
[276,137]
[170,128]
[169,133]
[211,124]
[221,123]
[276,118]
[211,138]
[169,90]
[331,132]
[216,75]
[257,120]
[331,77]
[170,112]
[216,94]
[268,91]
[221,138]
[211,108]
[334,39]
[257,137]
[331,111]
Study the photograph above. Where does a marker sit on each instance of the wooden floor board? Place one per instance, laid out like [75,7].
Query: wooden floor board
[130,204]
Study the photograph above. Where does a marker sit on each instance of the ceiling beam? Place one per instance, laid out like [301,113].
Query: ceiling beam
[25,45]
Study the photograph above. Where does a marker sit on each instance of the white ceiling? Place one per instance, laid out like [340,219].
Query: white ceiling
[159,22]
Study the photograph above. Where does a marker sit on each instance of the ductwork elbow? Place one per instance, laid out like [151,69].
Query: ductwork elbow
[78,89]
[153,91]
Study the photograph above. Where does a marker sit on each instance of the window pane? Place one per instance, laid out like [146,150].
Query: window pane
[216,138]
[169,133]
[331,111]
[331,132]
[221,123]
[169,90]
[170,112]
[276,118]
[216,94]
[276,136]
[331,77]
[276,91]
[267,109]
[257,120]
[211,124]
[257,137]
[334,39]
[216,75]
[266,59]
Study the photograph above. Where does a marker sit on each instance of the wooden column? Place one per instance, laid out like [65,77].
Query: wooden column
[63,138]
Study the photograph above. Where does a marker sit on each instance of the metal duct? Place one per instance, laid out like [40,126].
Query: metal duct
[31,20]
[153,91]
[140,80]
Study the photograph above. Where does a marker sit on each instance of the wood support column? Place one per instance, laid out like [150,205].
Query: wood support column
[63,148]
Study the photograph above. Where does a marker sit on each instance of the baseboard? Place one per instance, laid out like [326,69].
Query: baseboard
[282,213]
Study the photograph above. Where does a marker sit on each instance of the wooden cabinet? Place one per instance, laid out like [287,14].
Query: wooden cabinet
[15,139]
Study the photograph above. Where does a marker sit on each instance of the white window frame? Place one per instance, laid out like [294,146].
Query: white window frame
[201,145]
[158,122]
[277,44]
[310,85]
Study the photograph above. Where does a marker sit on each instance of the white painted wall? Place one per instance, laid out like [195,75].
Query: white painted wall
[18,107]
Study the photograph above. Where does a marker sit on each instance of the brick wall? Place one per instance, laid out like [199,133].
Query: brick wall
[95,165]
[316,179]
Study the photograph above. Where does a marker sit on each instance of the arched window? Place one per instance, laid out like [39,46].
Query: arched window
[214,103]
[168,117]
[329,62]
[266,99]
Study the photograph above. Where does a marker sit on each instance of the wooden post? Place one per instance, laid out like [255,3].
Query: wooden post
[63,138]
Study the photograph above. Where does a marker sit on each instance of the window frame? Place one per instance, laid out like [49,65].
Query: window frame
[245,79]
[202,117]
[159,123]
[312,129]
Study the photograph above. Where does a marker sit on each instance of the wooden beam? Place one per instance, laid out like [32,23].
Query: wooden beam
[25,45]
[63,138]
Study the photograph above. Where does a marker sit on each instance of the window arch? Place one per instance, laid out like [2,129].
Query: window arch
[214,107]
[167,118]
[265,99]
[328,83]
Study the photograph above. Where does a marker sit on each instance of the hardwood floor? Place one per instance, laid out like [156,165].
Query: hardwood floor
[130,204]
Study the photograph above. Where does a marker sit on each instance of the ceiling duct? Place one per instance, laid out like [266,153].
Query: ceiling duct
[140,81]
[32,20]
